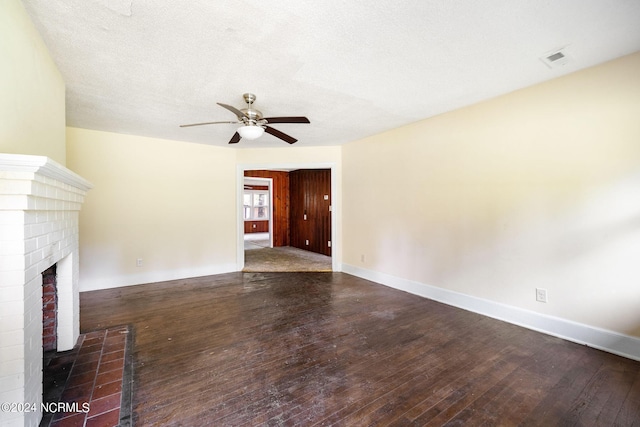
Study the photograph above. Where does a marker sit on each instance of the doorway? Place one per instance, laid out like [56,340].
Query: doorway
[305,239]
[257,213]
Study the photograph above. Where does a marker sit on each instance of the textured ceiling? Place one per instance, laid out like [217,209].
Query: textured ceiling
[354,68]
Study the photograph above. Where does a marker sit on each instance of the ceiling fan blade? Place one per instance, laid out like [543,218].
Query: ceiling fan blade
[205,123]
[234,110]
[299,119]
[281,135]
[235,138]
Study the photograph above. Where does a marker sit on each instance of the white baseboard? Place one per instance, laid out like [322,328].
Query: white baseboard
[612,342]
[109,282]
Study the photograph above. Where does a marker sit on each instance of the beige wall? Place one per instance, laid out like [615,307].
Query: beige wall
[170,203]
[32,101]
[289,154]
[537,188]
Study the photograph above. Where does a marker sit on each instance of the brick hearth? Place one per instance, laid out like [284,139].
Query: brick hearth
[96,372]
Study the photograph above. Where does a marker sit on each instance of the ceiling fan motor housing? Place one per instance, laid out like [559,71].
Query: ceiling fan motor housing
[253,114]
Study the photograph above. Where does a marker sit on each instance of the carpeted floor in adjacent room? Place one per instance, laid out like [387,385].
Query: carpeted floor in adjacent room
[283,259]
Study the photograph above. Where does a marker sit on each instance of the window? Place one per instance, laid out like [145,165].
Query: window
[256,205]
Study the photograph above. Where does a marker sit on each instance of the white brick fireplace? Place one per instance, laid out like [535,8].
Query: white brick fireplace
[40,202]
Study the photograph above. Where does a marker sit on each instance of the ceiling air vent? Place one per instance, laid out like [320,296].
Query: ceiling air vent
[555,58]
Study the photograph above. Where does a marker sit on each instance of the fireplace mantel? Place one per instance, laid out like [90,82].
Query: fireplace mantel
[40,201]
[43,166]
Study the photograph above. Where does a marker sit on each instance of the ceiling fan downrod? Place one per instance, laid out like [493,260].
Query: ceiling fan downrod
[253,115]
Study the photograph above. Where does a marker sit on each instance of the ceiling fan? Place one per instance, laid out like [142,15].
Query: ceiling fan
[253,125]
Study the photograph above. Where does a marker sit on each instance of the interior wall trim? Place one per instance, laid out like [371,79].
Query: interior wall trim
[602,339]
[155,276]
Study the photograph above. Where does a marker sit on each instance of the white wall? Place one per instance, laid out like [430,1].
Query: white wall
[537,188]
[171,204]
[32,101]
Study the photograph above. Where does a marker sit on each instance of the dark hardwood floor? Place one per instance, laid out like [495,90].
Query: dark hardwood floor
[245,349]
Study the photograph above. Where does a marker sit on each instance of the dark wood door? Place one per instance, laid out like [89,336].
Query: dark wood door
[310,214]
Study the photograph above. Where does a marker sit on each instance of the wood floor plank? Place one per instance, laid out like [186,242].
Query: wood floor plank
[245,349]
[476,384]
[507,401]
[602,397]
[428,358]
[338,347]
[360,375]
[629,413]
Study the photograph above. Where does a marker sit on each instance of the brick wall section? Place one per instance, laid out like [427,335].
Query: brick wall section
[39,210]
[49,309]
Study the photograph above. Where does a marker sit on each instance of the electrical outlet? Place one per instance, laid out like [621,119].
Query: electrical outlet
[362,258]
[139,262]
[306,242]
[541,295]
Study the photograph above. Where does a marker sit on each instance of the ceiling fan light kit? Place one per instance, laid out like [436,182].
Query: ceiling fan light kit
[251,132]
[253,124]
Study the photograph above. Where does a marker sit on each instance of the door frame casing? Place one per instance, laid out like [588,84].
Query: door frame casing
[336,244]
[269,182]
